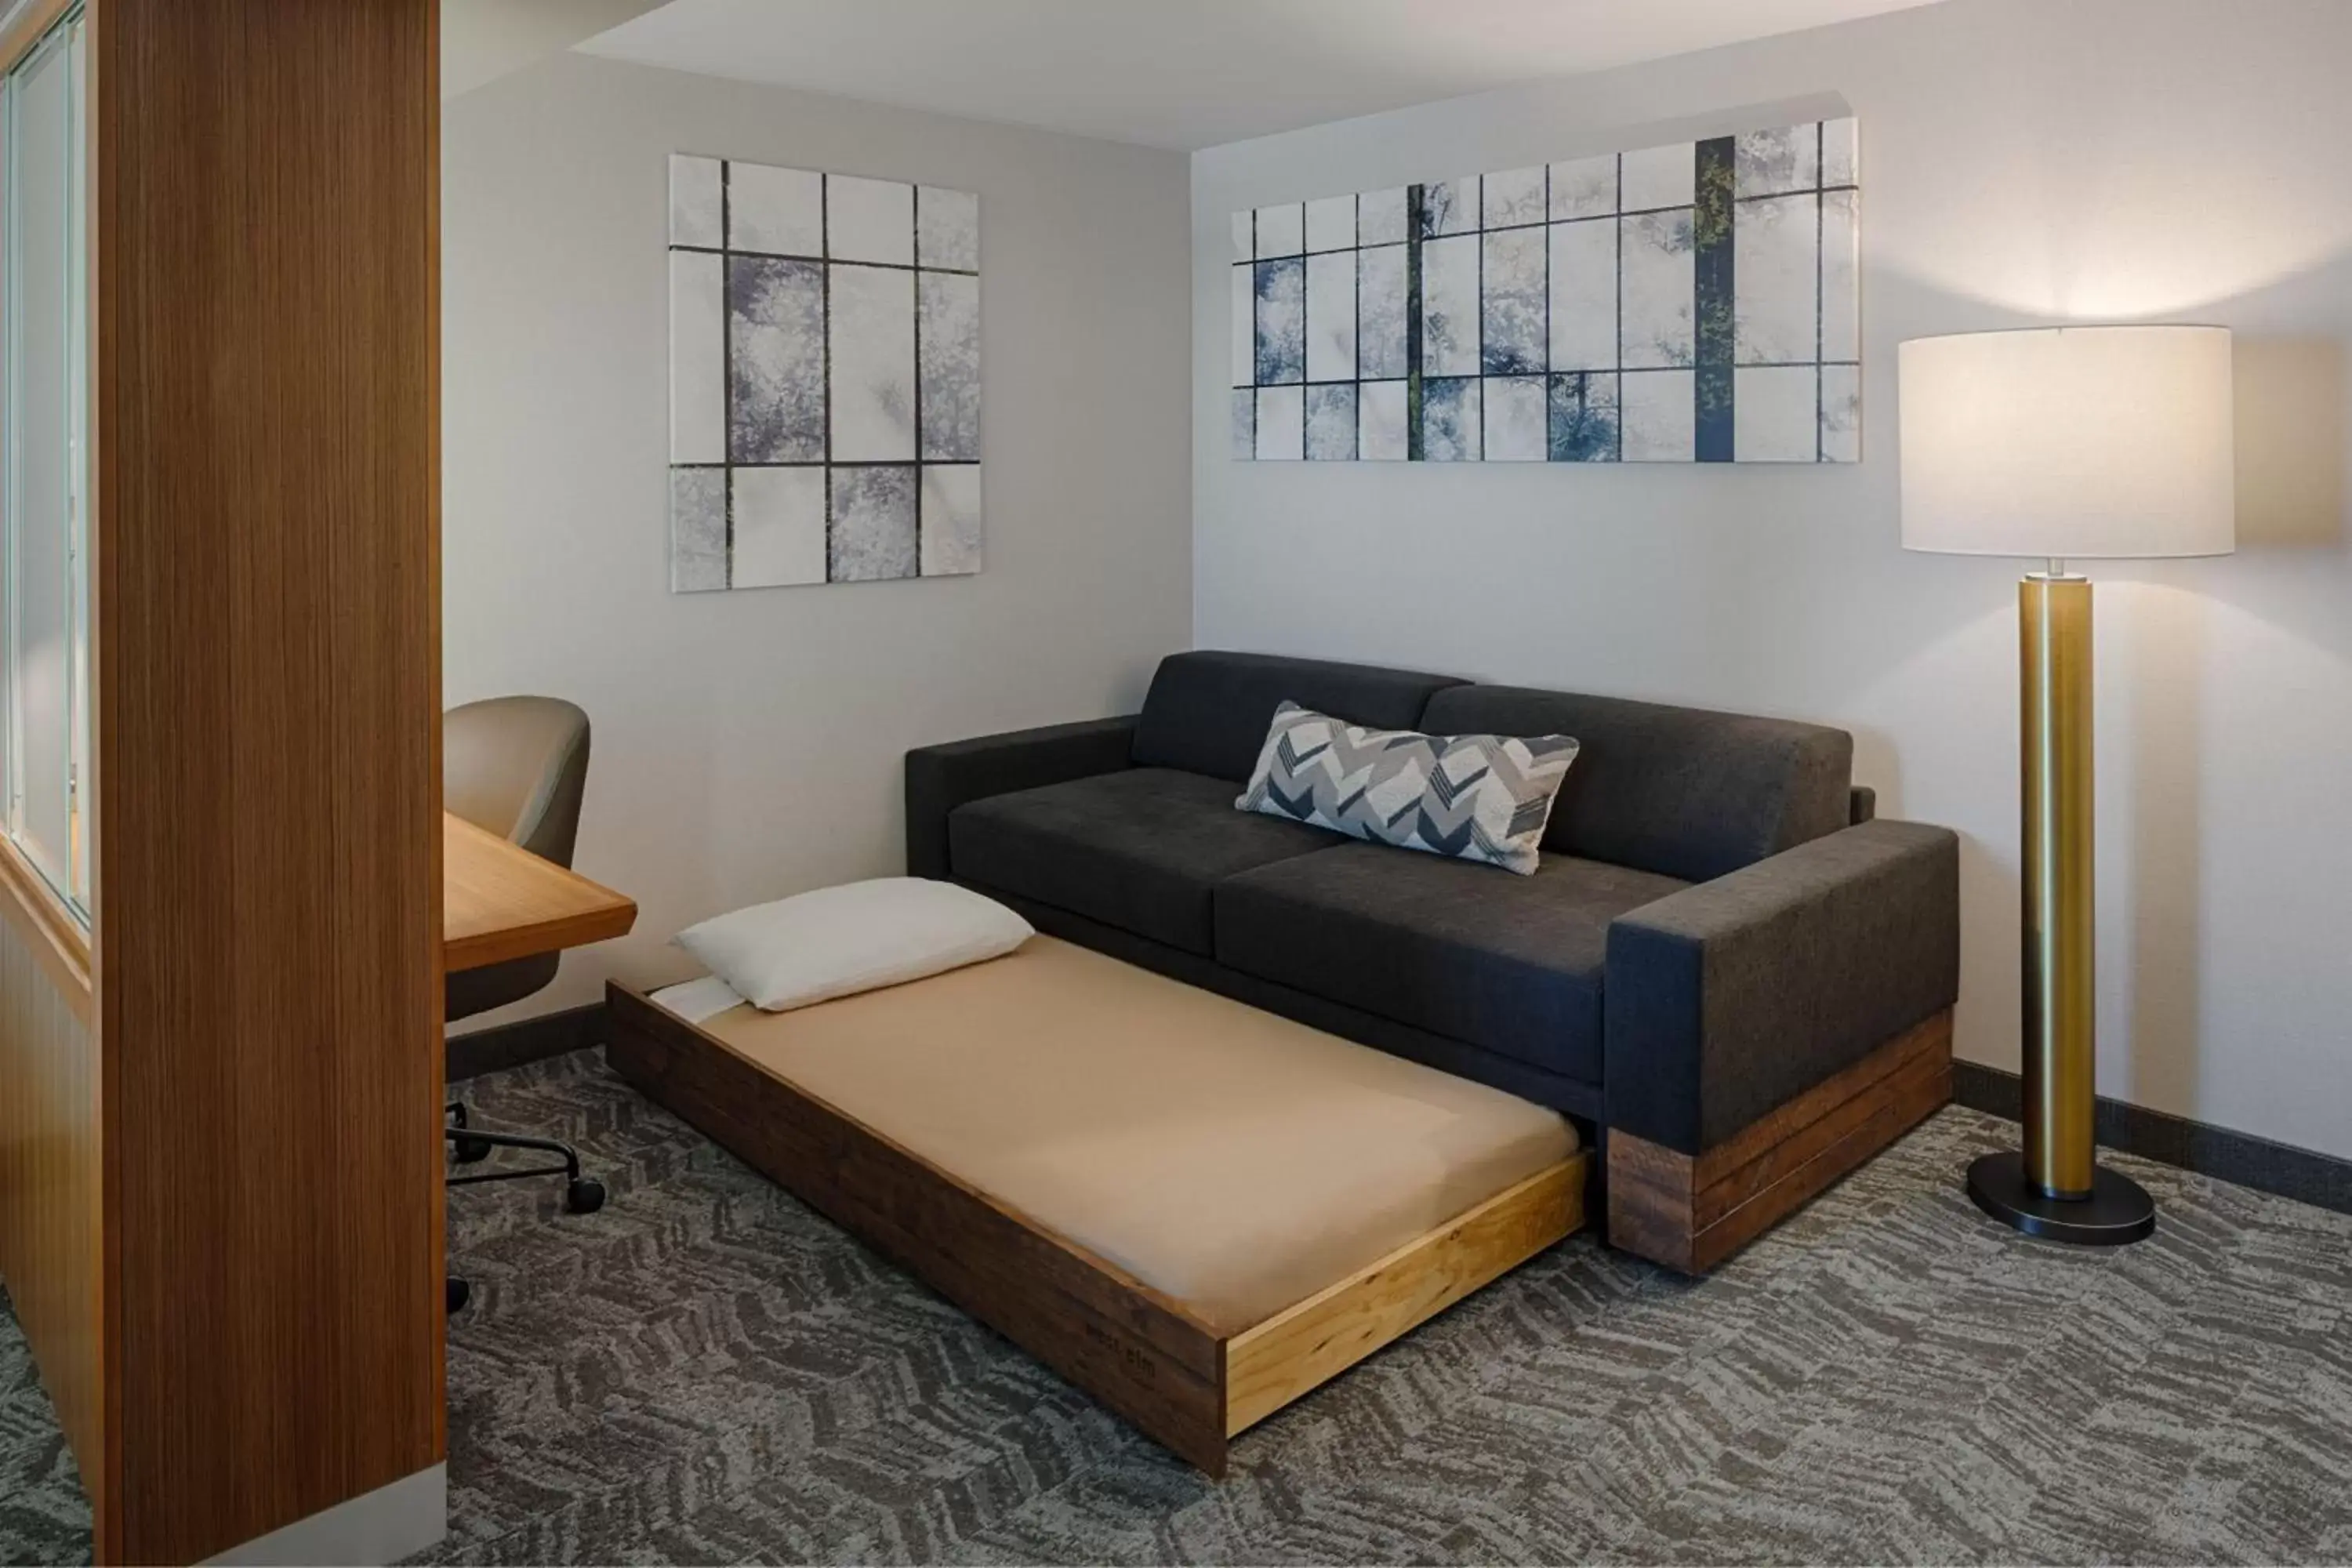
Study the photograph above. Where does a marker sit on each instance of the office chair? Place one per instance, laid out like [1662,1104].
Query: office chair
[515,766]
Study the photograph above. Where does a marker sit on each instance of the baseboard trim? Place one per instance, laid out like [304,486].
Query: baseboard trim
[2306,1176]
[504,1046]
[2281,1168]
[396,1520]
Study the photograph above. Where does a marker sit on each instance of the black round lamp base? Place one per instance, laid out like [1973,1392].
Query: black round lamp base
[2119,1209]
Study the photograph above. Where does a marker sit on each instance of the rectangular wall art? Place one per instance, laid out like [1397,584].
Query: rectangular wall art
[824,377]
[1688,303]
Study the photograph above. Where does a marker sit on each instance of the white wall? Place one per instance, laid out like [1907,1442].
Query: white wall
[747,745]
[2022,160]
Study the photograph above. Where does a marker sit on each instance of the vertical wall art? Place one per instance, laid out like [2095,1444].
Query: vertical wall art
[1688,303]
[824,377]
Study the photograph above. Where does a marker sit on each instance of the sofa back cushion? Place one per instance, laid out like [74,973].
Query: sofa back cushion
[1678,791]
[1208,712]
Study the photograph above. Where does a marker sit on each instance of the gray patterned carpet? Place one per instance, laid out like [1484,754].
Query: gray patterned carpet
[44,1518]
[706,1372]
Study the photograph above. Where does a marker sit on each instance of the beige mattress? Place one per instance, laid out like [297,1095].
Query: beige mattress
[1234,1160]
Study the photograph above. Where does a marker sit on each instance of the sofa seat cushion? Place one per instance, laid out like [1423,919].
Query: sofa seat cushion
[1141,849]
[1510,963]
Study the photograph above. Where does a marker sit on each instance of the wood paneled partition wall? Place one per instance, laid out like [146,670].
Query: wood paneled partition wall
[49,1150]
[220,1203]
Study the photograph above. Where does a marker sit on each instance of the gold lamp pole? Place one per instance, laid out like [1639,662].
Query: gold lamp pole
[2061,1023]
[2090,442]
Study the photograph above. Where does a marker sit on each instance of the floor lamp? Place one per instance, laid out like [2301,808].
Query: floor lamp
[2066,444]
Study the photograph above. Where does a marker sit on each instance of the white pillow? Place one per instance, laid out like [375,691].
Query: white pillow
[837,941]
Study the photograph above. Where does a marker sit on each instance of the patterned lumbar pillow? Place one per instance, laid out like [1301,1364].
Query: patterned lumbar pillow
[1476,797]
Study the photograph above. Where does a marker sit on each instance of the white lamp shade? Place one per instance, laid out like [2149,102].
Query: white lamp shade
[2081,442]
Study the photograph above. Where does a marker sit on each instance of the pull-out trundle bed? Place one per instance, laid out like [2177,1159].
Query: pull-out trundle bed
[1194,1210]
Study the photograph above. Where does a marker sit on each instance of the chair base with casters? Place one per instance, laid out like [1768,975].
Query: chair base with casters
[582,1194]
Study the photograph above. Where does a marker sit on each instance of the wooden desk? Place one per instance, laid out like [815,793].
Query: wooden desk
[501,901]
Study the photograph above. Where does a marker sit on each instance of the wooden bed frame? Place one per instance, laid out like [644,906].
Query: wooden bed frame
[1138,1350]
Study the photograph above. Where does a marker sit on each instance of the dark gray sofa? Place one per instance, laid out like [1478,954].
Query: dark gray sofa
[1721,961]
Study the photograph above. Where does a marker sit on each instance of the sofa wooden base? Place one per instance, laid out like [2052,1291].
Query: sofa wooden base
[1138,1351]
[1691,1212]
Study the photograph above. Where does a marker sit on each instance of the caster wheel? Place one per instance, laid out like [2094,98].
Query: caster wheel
[584,1195]
[471,1150]
[456,1293]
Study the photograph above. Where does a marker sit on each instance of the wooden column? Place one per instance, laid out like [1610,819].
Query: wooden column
[264,200]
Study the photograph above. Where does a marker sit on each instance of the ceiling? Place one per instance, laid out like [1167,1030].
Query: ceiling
[482,40]
[1184,74]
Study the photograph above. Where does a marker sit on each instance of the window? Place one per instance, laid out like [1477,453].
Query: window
[44,488]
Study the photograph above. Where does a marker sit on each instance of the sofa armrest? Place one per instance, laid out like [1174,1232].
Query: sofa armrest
[1731,998]
[941,778]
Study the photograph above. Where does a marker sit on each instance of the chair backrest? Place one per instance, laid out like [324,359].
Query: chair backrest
[517,766]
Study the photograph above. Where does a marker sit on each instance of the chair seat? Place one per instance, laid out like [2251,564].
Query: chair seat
[1141,849]
[465,992]
[1472,952]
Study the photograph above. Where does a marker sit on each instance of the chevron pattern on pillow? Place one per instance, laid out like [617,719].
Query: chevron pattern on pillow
[1475,797]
